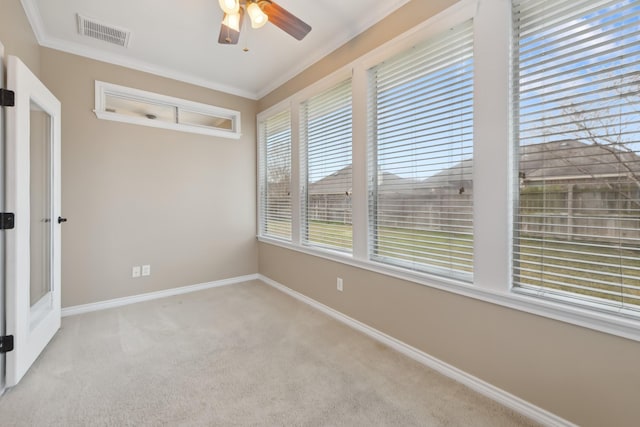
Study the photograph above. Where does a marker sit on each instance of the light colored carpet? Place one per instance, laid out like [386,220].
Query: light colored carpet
[236,355]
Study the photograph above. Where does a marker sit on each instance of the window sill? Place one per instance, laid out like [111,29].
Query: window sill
[622,325]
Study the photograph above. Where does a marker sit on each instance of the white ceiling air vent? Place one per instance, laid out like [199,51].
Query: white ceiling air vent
[107,33]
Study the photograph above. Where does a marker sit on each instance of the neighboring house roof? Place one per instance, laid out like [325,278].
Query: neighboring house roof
[558,160]
[340,182]
[456,176]
[570,159]
[337,183]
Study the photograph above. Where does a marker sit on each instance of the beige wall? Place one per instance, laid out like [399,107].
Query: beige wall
[587,377]
[16,34]
[186,205]
[410,15]
[183,203]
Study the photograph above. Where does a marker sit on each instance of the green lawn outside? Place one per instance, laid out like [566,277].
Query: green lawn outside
[564,272]
[561,271]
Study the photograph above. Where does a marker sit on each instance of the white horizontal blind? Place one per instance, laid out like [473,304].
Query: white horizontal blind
[275,173]
[325,137]
[577,105]
[421,188]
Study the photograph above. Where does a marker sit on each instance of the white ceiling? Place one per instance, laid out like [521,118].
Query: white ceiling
[179,39]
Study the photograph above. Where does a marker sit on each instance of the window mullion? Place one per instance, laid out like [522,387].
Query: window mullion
[360,169]
[296,172]
[491,170]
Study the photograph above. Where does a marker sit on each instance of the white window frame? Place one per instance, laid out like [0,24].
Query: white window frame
[103,89]
[262,171]
[523,280]
[374,145]
[493,172]
[303,161]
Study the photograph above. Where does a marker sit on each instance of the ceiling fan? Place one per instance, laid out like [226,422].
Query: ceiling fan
[259,11]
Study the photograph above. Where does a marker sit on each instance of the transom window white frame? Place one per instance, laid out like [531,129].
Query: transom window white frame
[493,172]
[155,110]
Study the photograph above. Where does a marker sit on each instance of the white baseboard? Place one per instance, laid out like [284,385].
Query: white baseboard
[117,302]
[505,398]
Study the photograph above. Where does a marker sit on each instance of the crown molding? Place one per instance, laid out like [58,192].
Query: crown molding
[33,16]
[44,39]
[143,66]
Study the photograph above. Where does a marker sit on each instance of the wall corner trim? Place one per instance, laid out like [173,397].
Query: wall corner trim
[501,396]
[118,302]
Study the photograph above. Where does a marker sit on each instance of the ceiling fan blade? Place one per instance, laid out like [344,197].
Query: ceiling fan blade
[286,21]
[227,34]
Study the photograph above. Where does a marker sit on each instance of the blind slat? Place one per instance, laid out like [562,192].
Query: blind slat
[421,119]
[275,168]
[577,115]
[325,135]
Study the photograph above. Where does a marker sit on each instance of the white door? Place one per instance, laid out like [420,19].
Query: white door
[33,195]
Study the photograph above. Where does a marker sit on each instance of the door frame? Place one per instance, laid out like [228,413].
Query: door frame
[32,330]
[2,239]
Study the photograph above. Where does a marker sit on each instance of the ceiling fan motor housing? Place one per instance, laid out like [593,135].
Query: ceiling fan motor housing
[278,16]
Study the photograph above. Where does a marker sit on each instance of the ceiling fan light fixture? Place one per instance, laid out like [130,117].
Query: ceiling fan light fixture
[230,7]
[257,16]
[232,20]
[260,12]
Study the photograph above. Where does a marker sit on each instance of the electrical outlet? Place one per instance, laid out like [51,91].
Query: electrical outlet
[339,284]
[135,271]
[146,270]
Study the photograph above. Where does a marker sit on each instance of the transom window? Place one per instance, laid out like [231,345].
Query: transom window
[124,104]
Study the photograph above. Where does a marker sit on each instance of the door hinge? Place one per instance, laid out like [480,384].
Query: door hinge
[6,343]
[7,220]
[7,98]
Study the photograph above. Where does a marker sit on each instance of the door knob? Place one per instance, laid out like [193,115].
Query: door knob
[61,220]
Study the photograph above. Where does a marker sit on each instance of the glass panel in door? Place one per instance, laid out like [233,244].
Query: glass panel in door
[40,206]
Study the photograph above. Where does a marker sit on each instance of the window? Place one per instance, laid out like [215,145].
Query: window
[577,224]
[325,136]
[135,106]
[421,147]
[275,172]
[494,153]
